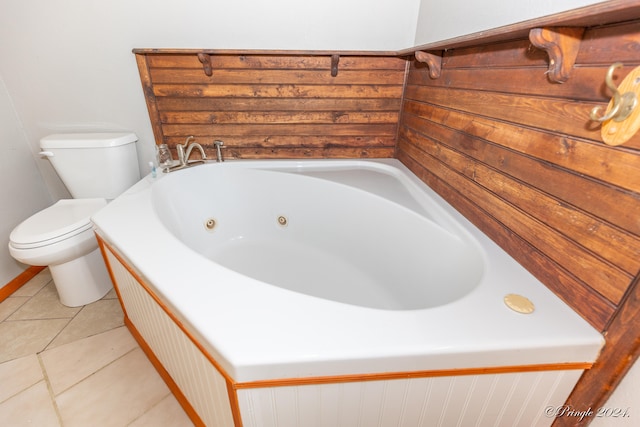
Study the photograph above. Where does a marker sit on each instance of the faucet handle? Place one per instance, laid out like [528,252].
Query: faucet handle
[218,144]
[180,150]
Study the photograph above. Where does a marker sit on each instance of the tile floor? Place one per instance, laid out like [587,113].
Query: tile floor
[65,367]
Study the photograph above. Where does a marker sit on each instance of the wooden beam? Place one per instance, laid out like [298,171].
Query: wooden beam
[603,13]
[150,98]
[620,351]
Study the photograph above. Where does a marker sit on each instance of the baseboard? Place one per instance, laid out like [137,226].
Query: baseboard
[7,290]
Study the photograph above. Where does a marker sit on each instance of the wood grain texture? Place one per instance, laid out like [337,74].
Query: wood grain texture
[517,155]
[514,147]
[620,352]
[599,14]
[562,44]
[276,105]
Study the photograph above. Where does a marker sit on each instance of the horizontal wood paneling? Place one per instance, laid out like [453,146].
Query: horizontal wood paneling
[518,155]
[276,106]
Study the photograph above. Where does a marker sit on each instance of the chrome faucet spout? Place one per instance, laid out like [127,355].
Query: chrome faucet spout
[190,149]
[184,152]
[180,148]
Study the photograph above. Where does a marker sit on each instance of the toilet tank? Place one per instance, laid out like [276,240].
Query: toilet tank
[93,164]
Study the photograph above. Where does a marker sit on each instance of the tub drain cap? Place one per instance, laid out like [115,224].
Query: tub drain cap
[519,304]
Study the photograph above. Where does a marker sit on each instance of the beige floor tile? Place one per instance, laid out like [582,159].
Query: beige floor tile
[71,363]
[166,413]
[34,285]
[24,337]
[32,407]
[100,316]
[93,365]
[114,396]
[18,375]
[44,305]
[111,294]
[10,305]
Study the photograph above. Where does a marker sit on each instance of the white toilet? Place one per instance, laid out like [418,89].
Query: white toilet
[95,167]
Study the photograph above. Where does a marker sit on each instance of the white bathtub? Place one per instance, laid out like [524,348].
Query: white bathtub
[295,273]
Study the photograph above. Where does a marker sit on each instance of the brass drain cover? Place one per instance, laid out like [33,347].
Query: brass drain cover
[519,304]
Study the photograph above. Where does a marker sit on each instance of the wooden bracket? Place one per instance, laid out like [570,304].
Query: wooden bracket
[562,44]
[205,59]
[434,63]
[334,65]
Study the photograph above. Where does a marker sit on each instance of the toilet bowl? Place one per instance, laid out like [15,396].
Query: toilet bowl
[62,237]
[95,168]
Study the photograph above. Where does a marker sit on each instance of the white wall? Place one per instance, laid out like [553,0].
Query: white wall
[67,66]
[443,20]
[22,190]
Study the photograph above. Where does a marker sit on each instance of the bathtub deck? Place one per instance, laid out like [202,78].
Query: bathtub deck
[331,338]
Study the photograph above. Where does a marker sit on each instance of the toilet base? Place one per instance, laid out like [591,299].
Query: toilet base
[82,280]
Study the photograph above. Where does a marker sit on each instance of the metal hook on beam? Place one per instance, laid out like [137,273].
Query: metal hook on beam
[622,104]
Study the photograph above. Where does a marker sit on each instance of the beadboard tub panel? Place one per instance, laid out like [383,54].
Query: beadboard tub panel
[203,386]
[481,400]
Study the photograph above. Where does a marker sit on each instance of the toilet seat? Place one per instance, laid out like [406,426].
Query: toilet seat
[63,220]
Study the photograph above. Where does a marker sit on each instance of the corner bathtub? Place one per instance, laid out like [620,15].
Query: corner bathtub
[333,293]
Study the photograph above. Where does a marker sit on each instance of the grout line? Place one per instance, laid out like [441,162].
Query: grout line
[6,319]
[21,390]
[47,347]
[94,372]
[150,408]
[50,390]
[45,376]
[29,298]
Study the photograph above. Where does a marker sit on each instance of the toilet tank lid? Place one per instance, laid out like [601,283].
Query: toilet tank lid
[87,140]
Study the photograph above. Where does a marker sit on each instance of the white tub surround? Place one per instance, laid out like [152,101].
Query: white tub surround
[426,340]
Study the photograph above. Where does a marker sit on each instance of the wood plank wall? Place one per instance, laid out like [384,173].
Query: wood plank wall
[519,157]
[275,105]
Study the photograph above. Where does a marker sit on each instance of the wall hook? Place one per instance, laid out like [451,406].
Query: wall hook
[205,60]
[334,65]
[621,119]
[434,63]
[562,44]
[621,104]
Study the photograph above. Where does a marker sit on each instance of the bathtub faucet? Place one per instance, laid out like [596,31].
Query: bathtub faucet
[184,151]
